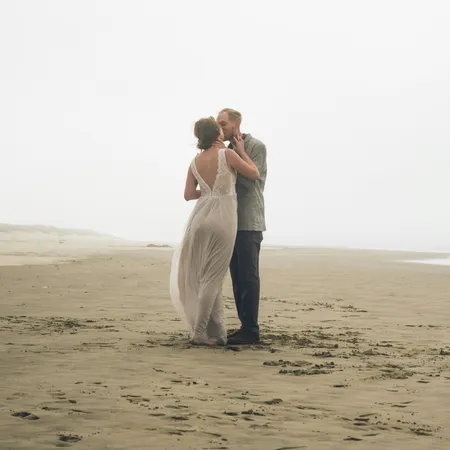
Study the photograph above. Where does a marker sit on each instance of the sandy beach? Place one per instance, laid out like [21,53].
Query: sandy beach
[355,352]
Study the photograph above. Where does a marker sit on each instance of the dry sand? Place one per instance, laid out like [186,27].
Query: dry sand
[355,353]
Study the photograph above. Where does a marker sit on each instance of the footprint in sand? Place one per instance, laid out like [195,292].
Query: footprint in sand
[361,421]
[290,448]
[318,369]
[136,399]
[25,415]
[68,439]
[401,405]
[178,418]
[16,395]
[422,431]
[49,408]
[77,412]
[284,363]
[59,395]
[323,355]
[274,401]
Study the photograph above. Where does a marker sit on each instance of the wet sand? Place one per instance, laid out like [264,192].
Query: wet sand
[355,353]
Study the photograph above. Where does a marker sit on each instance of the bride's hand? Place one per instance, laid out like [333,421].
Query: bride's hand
[238,144]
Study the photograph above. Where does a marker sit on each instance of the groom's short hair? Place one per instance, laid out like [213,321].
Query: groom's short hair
[233,115]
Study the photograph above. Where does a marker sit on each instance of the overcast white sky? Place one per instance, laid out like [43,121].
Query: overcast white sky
[352,98]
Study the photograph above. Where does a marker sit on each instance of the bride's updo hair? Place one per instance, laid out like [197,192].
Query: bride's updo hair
[206,131]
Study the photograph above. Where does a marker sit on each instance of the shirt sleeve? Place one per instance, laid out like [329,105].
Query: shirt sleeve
[258,156]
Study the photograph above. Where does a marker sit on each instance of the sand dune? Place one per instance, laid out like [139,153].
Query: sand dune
[41,244]
[51,230]
[355,354]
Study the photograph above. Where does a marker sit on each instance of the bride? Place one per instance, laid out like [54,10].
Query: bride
[201,262]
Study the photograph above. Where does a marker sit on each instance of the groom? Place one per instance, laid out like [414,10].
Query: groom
[244,266]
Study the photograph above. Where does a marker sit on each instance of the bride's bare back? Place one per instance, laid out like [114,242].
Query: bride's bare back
[207,164]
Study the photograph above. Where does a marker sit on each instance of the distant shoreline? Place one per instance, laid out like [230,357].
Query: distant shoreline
[432,261]
[49,230]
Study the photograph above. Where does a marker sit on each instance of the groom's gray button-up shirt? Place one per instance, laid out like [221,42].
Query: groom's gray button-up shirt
[250,194]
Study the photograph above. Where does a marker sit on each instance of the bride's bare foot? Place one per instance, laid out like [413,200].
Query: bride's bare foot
[222,341]
[204,342]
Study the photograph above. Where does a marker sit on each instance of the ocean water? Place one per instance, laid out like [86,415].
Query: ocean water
[434,261]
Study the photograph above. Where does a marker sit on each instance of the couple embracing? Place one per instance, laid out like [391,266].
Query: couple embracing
[224,231]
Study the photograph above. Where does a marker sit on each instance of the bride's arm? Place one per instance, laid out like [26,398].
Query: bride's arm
[243,164]
[190,190]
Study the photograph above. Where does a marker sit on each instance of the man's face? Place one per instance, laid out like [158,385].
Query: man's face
[228,127]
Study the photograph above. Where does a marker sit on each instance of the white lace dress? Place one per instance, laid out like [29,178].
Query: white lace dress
[200,263]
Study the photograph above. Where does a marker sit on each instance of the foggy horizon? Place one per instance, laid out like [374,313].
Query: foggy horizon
[352,100]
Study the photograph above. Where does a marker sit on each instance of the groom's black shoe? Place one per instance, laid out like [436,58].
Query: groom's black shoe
[233,333]
[243,337]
